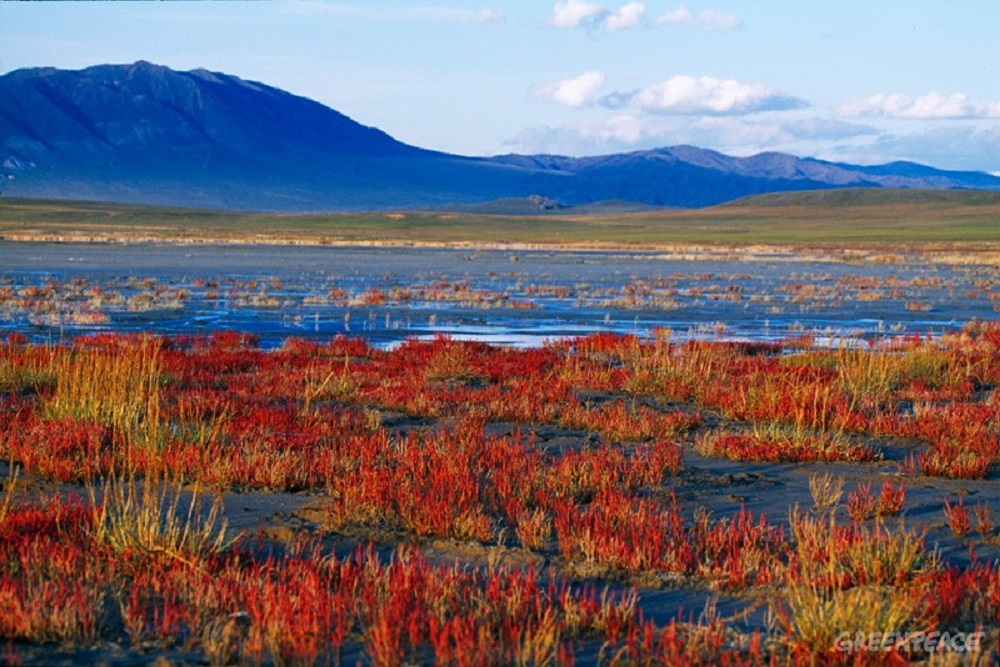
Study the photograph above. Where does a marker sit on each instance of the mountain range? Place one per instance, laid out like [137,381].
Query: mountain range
[145,133]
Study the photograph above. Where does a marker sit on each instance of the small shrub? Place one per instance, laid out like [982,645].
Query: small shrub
[984,522]
[890,500]
[957,516]
[861,503]
[826,489]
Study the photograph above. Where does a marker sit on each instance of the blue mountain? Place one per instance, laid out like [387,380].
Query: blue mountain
[148,134]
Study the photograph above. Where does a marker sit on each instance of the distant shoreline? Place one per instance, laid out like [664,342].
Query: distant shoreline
[843,226]
[987,254]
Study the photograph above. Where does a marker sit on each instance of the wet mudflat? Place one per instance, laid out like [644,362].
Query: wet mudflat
[520,297]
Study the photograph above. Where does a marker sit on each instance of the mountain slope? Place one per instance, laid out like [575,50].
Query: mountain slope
[146,133]
[105,109]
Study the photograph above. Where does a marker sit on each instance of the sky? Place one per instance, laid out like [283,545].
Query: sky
[857,81]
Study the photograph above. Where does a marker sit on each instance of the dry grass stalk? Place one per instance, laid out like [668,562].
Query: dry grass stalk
[534,529]
[826,489]
[827,554]
[150,518]
[819,616]
[119,389]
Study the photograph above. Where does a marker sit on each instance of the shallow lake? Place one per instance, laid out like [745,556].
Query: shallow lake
[54,291]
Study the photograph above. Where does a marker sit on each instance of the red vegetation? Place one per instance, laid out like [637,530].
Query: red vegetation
[957,516]
[573,450]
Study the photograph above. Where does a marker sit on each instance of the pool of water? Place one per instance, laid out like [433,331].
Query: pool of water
[53,292]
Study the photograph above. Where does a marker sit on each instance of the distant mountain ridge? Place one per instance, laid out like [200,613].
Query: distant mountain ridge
[145,133]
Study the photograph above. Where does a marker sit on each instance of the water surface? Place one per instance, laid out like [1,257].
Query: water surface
[54,291]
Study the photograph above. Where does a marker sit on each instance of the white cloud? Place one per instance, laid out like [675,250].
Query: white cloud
[704,95]
[678,16]
[572,13]
[965,148]
[624,129]
[577,91]
[632,14]
[931,106]
[627,16]
[574,139]
[710,20]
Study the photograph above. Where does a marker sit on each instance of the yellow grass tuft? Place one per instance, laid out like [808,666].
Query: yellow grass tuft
[117,388]
[831,555]
[158,518]
[818,617]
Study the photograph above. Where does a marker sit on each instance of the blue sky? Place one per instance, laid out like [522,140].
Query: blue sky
[850,80]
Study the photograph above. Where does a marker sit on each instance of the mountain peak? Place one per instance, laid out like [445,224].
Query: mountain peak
[146,66]
[140,69]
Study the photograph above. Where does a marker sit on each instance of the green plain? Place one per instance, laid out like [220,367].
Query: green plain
[848,217]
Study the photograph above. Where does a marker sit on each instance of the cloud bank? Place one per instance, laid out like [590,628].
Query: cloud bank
[591,15]
[678,95]
[945,147]
[735,135]
[689,95]
[744,117]
[932,106]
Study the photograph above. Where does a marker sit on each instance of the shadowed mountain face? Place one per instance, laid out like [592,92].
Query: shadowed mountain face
[146,133]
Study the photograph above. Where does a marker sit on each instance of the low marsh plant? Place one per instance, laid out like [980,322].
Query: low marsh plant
[777,444]
[826,489]
[25,371]
[890,499]
[861,503]
[324,385]
[116,387]
[829,554]
[817,617]
[957,516]
[867,375]
[156,517]
[984,522]
[534,529]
